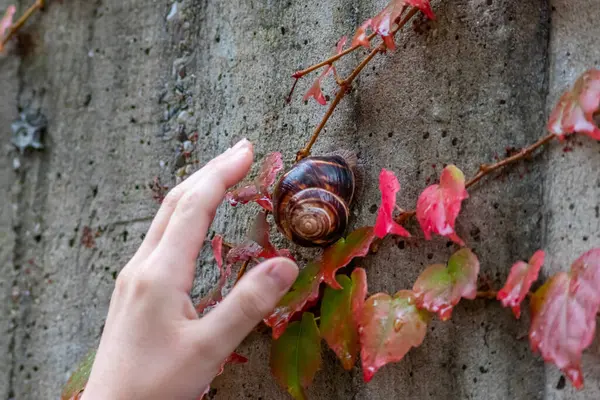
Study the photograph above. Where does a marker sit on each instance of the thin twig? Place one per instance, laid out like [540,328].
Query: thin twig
[488,294]
[299,74]
[14,28]
[241,272]
[344,85]
[486,169]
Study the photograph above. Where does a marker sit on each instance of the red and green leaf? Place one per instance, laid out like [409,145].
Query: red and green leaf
[216,293]
[303,293]
[296,356]
[389,328]
[315,90]
[385,224]
[439,205]
[340,313]
[338,255]
[439,288]
[564,309]
[576,108]
[76,384]
[258,190]
[521,277]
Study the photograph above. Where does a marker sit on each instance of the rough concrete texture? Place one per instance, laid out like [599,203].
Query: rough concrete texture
[121,85]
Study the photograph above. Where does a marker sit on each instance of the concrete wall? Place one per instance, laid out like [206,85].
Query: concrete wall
[119,82]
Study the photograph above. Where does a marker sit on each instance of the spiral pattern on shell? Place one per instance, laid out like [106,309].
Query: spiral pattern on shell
[311,202]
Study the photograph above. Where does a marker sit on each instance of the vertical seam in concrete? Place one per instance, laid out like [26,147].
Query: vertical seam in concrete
[546,88]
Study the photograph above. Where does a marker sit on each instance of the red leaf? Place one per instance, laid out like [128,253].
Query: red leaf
[382,23]
[338,255]
[315,90]
[6,22]
[439,288]
[305,290]
[389,328]
[563,321]
[73,389]
[259,233]
[258,190]
[521,277]
[340,312]
[234,358]
[216,294]
[439,205]
[389,187]
[575,109]
[360,37]
[296,356]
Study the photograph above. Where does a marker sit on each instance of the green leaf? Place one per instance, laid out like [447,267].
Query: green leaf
[79,378]
[439,288]
[340,312]
[389,328]
[338,255]
[305,290]
[296,356]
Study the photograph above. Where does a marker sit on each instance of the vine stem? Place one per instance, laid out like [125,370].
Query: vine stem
[345,83]
[486,169]
[488,294]
[14,28]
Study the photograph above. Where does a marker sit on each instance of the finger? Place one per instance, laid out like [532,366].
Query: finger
[184,236]
[251,300]
[161,220]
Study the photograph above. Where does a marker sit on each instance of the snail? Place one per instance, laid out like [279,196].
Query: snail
[311,202]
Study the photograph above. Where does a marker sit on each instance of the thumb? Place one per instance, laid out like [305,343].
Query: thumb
[255,296]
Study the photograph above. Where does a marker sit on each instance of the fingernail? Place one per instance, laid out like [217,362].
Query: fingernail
[283,272]
[239,145]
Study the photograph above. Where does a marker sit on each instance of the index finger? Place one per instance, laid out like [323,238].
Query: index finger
[184,236]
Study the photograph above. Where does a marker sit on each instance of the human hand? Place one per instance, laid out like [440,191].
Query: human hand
[154,346]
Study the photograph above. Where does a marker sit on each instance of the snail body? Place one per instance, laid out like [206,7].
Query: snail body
[311,202]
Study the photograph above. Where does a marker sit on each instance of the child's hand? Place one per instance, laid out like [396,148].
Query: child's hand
[154,346]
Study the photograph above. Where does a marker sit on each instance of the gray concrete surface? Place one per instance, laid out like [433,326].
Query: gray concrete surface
[119,83]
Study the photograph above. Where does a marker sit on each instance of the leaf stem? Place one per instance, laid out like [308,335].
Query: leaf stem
[14,28]
[241,272]
[345,84]
[299,74]
[488,294]
[485,169]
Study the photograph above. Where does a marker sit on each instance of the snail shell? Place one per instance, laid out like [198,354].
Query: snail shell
[311,202]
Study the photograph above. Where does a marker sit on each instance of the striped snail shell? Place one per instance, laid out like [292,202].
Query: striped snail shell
[311,202]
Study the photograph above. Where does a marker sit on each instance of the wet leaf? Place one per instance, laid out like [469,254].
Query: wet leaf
[260,234]
[439,205]
[258,190]
[389,328]
[303,293]
[521,277]
[385,224]
[338,255]
[563,320]
[74,387]
[340,313]
[576,108]
[296,356]
[439,288]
